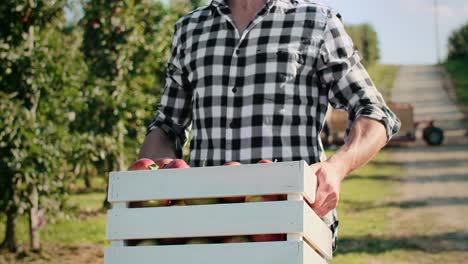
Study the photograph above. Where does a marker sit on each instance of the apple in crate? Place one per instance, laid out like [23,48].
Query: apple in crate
[172,241]
[177,164]
[238,199]
[196,241]
[144,242]
[148,242]
[236,239]
[143,164]
[262,198]
[147,164]
[179,203]
[268,237]
[162,163]
[201,201]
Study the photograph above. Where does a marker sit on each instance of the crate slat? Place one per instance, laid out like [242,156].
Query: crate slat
[313,231]
[220,181]
[245,253]
[220,220]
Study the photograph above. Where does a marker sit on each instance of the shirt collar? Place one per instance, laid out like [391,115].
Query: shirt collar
[222,3]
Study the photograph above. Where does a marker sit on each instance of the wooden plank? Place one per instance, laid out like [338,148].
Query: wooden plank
[312,257]
[220,181]
[310,182]
[119,243]
[206,220]
[289,217]
[246,253]
[317,233]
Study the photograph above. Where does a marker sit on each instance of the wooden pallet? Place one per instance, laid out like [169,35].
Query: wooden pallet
[308,237]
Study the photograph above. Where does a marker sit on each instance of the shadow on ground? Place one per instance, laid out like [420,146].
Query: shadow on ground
[378,245]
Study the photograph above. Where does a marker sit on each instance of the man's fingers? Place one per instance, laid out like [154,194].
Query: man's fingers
[326,208]
[315,167]
[324,202]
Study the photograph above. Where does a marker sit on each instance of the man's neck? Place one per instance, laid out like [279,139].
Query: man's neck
[249,6]
[243,11]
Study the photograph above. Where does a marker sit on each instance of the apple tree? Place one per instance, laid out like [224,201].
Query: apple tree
[39,78]
[126,45]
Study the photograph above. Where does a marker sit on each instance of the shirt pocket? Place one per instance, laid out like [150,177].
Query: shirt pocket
[281,62]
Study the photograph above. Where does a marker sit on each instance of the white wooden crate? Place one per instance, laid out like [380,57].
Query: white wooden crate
[309,239]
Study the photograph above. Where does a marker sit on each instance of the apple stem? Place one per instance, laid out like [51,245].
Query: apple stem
[153,167]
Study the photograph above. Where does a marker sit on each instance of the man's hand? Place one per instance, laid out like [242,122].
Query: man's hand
[328,187]
[366,138]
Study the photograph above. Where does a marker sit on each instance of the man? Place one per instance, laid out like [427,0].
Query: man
[253,80]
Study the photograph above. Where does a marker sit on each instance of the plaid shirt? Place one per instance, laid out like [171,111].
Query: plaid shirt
[264,93]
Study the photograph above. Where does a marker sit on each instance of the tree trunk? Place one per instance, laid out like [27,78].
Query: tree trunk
[106,204]
[34,220]
[10,241]
[121,143]
[87,177]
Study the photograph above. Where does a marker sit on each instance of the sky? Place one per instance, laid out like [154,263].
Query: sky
[406,28]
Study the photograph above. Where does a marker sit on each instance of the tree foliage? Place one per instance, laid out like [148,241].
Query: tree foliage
[458,44]
[126,45]
[366,42]
[39,78]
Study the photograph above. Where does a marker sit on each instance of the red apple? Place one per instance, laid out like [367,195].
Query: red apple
[143,164]
[236,239]
[147,164]
[238,199]
[264,161]
[177,164]
[162,163]
[268,237]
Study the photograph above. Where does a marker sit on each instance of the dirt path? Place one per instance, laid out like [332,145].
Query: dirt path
[431,213]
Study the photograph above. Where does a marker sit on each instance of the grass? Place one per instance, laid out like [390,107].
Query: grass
[458,71]
[360,216]
[84,224]
[361,213]
[383,76]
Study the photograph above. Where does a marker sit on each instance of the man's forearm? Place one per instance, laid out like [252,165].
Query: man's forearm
[366,138]
[157,145]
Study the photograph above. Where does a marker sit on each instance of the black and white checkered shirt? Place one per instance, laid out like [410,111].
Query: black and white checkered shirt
[262,93]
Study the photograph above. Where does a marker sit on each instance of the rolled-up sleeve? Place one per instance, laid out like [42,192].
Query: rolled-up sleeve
[174,111]
[348,84]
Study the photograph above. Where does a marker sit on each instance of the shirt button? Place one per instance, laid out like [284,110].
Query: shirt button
[234,90]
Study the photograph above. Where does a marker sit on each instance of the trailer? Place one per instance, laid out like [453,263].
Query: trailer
[337,121]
